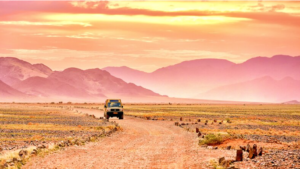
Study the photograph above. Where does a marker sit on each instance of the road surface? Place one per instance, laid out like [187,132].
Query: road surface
[142,144]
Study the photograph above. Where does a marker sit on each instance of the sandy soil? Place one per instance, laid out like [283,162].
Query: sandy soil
[142,144]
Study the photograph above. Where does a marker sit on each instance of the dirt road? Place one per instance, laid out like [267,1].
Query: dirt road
[142,144]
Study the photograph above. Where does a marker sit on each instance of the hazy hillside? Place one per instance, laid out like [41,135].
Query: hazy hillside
[180,80]
[7,93]
[189,78]
[75,83]
[259,79]
[264,89]
[13,70]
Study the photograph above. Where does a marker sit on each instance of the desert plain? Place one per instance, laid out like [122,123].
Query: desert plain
[173,135]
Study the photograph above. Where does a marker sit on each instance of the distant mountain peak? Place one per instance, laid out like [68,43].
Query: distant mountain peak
[72,69]
[281,56]
[13,70]
[292,102]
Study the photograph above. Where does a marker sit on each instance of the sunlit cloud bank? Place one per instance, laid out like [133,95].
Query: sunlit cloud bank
[146,35]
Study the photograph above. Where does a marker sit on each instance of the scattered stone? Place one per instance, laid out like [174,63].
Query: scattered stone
[181,119]
[248,147]
[199,120]
[5,165]
[34,152]
[215,120]
[221,160]
[41,146]
[23,153]
[197,130]
[254,150]
[239,155]
[251,153]
[199,134]
[243,148]
[228,147]
[15,160]
[260,151]
[176,123]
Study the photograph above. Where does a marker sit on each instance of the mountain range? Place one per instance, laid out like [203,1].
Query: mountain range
[260,79]
[20,79]
[205,78]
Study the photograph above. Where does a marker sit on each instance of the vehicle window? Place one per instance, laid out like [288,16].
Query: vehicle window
[114,101]
[114,104]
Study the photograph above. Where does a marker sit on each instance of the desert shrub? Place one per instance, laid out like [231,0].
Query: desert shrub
[99,128]
[212,139]
[214,164]
[111,127]
[228,120]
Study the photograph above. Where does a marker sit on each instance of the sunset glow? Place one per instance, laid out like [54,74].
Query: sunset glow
[146,35]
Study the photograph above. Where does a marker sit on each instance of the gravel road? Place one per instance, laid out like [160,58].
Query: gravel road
[141,144]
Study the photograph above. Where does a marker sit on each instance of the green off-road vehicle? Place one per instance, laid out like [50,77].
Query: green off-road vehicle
[113,108]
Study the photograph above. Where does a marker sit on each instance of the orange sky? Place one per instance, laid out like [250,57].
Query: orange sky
[146,35]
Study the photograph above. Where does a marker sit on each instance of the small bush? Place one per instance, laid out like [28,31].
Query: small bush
[111,127]
[228,120]
[100,128]
[212,139]
[214,164]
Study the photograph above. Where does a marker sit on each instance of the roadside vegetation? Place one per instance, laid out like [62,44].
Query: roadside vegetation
[279,122]
[40,129]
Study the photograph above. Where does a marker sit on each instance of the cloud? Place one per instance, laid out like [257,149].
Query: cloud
[91,4]
[261,7]
[260,12]
[277,7]
[26,23]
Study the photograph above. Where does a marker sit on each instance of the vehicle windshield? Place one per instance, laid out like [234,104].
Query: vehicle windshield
[114,104]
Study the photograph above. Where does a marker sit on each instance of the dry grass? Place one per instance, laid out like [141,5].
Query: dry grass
[22,123]
[26,126]
[255,119]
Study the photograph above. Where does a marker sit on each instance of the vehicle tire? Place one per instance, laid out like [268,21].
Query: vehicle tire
[121,117]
